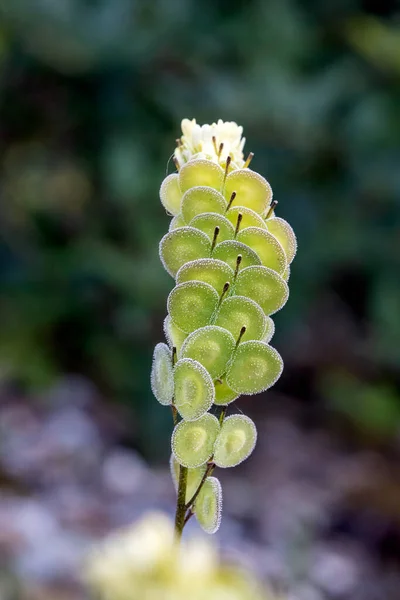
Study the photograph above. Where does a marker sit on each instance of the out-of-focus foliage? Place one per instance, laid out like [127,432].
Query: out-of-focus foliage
[91,94]
[143,562]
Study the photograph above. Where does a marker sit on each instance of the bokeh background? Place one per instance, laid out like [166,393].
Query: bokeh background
[91,98]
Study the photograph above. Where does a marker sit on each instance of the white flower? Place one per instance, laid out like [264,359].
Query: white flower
[215,142]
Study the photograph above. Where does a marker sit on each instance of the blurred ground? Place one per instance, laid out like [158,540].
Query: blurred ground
[312,516]
[91,97]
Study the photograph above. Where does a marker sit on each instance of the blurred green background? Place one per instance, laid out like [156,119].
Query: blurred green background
[92,93]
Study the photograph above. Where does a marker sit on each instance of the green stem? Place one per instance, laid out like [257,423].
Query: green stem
[181,503]
[208,471]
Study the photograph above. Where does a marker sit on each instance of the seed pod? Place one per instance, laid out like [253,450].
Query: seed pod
[175,336]
[237,312]
[223,393]
[208,505]
[229,251]
[201,199]
[255,368]
[192,304]
[200,172]
[177,221]
[264,286]
[249,217]
[209,270]
[269,330]
[207,222]
[235,441]
[193,442]
[285,236]
[252,190]
[211,346]
[266,246]
[193,389]
[161,379]
[183,244]
[170,194]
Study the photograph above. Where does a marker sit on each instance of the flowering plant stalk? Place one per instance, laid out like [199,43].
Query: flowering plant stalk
[230,257]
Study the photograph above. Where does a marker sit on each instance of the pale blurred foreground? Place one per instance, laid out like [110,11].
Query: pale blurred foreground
[143,562]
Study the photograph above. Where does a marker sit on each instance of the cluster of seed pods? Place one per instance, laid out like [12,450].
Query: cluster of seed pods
[230,257]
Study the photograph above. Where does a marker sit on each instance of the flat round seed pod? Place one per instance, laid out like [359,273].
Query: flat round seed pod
[212,347]
[223,393]
[200,171]
[249,217]
[192,304]
[235,441]
[264,286]
[177,221]
[175,336]
[286,273]
[193,442]
[238,311]
[255,368]
[212,271]
[269,330]
[161,378]
[208,505]
[285,236]
[266,246]
[207,222]
[193,390]
[202,199]
[194,477]
[230,250]
[252,190]
[181,245]
[170,194]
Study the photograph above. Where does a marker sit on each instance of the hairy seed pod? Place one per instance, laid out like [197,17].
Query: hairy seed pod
[230,256]
[208,505]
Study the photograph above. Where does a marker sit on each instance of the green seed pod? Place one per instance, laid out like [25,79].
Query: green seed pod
[285,236]
[252,190]
[269,330]
[176,222]
[192,304]
[207,222]
[229,251]
[223,393]
[237,312]
[175,336]
[161,379]
[264,286]
[208,505]
[170,194]
[193,389]
[193,442]
[200,172]
[202,199]
[255,368]
[209,270]
[249,217]
[181,245]
[194,477]
[212,347]
[266,246]
[286,274]
[235,441]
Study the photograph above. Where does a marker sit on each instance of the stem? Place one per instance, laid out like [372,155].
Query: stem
[208,471]
[180,505]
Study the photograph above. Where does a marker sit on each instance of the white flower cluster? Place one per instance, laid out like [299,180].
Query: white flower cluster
[215,142]
[142,562]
